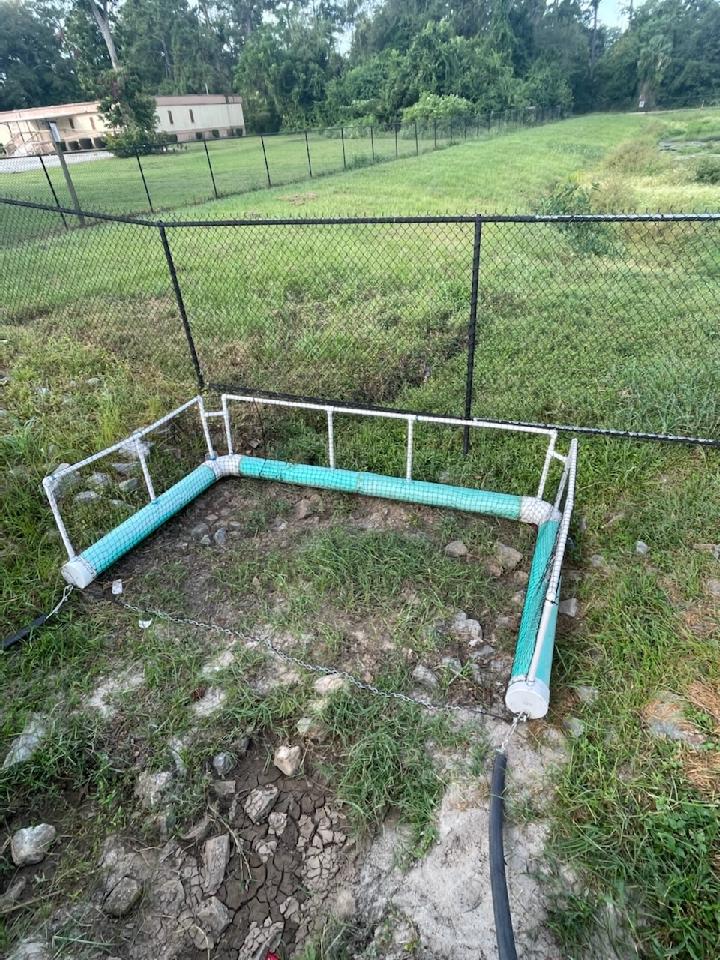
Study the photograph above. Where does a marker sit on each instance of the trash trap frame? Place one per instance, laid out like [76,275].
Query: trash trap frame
[528,691]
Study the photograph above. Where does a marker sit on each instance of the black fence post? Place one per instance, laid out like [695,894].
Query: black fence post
[267,168]
[181,306]
[212,175]
[417,146]
[342,138]
[434,134]
[472,329]
[397,126]
[372,143]
[144,181]
[307,151]
[52,190]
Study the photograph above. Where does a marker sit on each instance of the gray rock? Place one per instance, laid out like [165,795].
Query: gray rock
[223,763]
[452,664]
[277,823]
[98,480]
[484,652]
[713,587]
[224,788]
[31,844]
[12,895]
[129,485]
[424,676]
[216,854]
[25,745]
[205,541]
[598,561]
[466,628]
[586,694]
[32,949]
[570,607]
[330,683]
[665,718]
[199,530]
[641,548]
[712,548]
[212,919]
[129,450]
[220,536]
[312,728]
[151,788]
[126,468]
[303,509]
[93,382]
[507,557]
[123,897]
[260,802]
[456,549]
[574,726]
[67,483]
[3,413]
[288,760]
[345,907]
[86,496]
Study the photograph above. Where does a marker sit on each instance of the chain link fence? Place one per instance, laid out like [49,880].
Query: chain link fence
[182,174]
[604,324]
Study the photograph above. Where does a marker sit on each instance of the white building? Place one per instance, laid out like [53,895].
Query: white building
[81,126]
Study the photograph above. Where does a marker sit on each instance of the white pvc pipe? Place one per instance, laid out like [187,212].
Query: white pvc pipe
[551,596]
[331,439]
[388,414]
[409,457]
[206,430]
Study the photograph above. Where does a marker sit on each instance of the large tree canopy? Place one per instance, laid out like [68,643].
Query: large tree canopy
[330,61]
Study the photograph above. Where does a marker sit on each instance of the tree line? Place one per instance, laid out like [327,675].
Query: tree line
[309,62]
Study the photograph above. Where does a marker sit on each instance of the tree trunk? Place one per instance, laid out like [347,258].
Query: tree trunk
[100,13]
[593,40]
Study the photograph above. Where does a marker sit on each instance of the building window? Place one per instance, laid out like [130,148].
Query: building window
[170,116]
[71,122]
[192,117]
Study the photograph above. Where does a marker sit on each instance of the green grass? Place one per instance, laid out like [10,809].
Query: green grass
[183,175]
[619,338]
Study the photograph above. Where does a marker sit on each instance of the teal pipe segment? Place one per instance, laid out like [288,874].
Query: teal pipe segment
[505,505]
[83,569]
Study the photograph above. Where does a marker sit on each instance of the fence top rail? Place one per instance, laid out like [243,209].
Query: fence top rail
[349,221]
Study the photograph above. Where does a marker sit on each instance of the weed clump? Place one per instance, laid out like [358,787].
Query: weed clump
[707,170]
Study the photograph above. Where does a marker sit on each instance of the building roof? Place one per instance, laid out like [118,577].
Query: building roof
[50,113]
[92,106]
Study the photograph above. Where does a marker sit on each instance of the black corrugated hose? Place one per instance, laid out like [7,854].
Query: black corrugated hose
[498,883]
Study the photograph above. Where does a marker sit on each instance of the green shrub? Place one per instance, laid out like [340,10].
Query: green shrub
[431,106]
[639,158]
[707,170]
[570,197]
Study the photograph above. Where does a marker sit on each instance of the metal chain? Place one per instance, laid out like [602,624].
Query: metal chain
[63,599]
[264,638]
[519,718]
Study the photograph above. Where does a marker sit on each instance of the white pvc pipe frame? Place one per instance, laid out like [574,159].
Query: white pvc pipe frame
[134,441]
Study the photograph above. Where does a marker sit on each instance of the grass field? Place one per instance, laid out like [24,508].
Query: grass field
[91,348]
[183,174]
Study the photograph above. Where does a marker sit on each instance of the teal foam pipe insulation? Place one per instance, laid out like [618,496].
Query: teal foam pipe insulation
[85,567]
[530,696]
[505,505]
[536,636]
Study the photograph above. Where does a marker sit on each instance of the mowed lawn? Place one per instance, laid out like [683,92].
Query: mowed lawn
[195,172]
[601,328]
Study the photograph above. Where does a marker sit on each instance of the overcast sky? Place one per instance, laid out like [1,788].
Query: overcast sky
[612,12]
